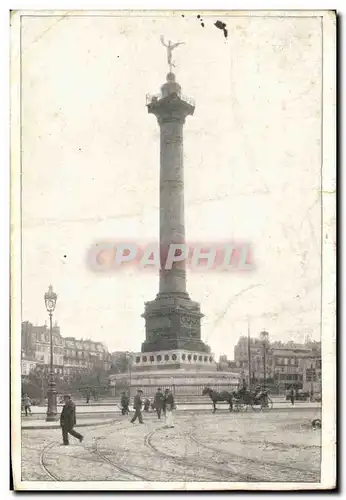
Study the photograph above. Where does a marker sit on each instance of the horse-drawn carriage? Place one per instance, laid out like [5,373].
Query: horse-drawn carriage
[240,400]
[257,400]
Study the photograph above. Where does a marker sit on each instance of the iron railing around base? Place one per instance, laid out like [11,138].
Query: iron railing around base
[152,98]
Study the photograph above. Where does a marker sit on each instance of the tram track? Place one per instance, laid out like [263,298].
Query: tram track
[220,472]
[96,452]
[193,467]
[120,468]
[53,476]
[266,465]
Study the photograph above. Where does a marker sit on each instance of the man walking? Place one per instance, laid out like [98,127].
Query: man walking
[137,405]
[159,402]
[68,420]
[169,407]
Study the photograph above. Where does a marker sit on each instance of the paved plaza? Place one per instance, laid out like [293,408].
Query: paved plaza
[275,445]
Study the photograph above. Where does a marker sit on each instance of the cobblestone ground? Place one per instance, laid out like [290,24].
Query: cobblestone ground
[249,446]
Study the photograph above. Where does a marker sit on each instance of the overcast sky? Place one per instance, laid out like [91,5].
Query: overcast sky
[252,169]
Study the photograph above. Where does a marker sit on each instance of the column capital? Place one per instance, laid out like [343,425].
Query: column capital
[171,108]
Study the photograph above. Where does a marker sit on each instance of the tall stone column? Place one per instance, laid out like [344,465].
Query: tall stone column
[172,224]
[172,319]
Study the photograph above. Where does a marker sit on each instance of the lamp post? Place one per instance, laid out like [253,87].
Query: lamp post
[264,337]
[312,381]
[50,299]
[249,352]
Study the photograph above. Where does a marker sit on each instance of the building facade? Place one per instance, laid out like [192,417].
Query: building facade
[312,375]
[36,344]
[70,355]
[85,355]
[28,364]
[281,364]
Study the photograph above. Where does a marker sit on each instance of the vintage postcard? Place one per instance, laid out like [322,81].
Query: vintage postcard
[173,239]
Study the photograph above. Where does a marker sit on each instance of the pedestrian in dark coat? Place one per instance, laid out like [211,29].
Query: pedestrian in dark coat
[68,420]
[159,402]
[137,405]
[124,403]
[292,395]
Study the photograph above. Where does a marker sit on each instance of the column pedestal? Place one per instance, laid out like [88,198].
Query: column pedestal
[173,321]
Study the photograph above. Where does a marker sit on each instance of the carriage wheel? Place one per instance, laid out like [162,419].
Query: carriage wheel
[256,405]
[268,405]
[238,407]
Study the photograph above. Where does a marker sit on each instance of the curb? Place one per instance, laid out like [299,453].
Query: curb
[222,408]
[57,426]
[207,411]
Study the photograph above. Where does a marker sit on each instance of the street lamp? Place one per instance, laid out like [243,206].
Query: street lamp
[50,299]
[312,381]
[264,337]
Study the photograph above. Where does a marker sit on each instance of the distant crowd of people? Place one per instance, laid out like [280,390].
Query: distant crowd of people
[163,403]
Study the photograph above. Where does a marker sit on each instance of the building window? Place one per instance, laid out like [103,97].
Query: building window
[183,357]
[174,357]
[138,359]
[200,358]
[145,359]
[210,359]
[195,357]
[152,358]
[159,357]
[166,357]
[205,359]
[189,357]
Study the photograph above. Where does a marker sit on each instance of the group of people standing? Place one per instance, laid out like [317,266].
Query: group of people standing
[164,404]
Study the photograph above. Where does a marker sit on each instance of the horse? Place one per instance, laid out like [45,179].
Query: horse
[219,396]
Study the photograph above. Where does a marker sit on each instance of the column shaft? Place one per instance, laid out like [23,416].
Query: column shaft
[172,225]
